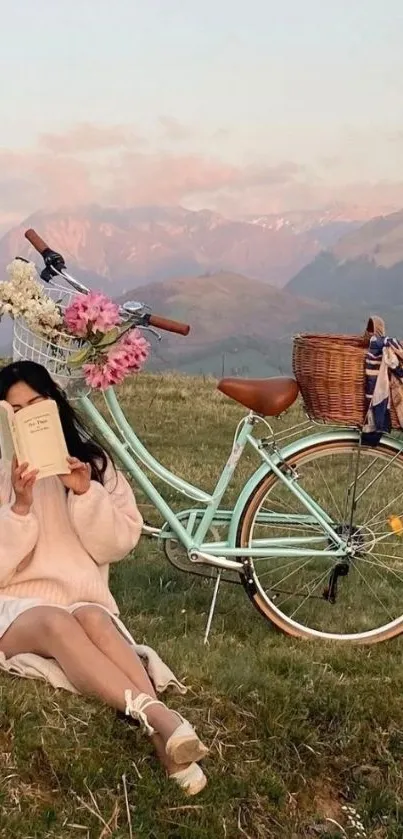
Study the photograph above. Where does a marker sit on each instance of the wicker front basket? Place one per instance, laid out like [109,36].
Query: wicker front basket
[330,371]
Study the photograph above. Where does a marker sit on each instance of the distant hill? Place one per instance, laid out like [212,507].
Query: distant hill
[227,304]
[120,249]
[245,327]
[249,321]
[238,325]
[364,267]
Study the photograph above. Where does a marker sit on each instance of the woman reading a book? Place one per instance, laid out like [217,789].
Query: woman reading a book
[58,536]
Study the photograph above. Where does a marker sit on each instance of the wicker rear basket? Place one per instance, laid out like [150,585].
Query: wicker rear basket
[330,371]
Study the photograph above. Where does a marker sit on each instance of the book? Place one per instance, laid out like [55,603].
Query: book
[35,436]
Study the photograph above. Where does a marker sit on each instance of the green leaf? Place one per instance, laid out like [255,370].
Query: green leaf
[79,357]
[109,337]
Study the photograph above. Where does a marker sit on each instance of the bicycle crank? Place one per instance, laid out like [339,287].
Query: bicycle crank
[177,555]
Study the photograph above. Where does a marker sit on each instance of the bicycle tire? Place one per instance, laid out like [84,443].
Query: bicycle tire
[249,577]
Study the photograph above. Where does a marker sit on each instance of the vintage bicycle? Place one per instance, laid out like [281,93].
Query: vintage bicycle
[315,535]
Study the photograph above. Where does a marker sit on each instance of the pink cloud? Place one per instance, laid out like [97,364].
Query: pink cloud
[167,179]
[174,129]
[87,137]
[173,179]
[35,180]
[103,165]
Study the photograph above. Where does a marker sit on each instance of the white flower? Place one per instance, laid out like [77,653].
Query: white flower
[24,296]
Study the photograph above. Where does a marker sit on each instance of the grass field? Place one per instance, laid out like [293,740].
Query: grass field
[306,739]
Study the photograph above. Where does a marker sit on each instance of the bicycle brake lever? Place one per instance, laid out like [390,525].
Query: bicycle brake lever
[54,263]
[154,332]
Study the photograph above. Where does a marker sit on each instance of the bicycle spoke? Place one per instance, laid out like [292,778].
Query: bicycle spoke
[374,593]
[379,475]
[349,488]
[322,579]
[374,565]
[386,507]
[377,565]
[379,539]
[282,567]
[298,592]
[287,577]
[357,490]
[299,526]
[337,508]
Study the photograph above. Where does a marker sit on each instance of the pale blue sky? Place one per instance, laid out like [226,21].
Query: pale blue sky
[313,82]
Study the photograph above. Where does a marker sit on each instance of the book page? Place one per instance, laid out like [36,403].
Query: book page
[7,449]
[41,439]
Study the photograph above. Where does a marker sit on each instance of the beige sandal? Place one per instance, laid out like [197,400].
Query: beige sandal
[191,780]
[183,746]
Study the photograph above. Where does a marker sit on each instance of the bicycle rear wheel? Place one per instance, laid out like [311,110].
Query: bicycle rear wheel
[353,600]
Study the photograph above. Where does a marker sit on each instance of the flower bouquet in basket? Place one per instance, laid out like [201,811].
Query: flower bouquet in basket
[85,334]
[23,296]
[112,350]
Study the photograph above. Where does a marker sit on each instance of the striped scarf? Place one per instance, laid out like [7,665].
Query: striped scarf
[383,386]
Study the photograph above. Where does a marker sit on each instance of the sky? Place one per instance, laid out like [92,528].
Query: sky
[244,106]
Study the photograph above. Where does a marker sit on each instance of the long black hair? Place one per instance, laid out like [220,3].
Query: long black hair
[79,440]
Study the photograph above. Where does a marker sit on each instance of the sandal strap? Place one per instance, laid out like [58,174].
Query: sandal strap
[136,708]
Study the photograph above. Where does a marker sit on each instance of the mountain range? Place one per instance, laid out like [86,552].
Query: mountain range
[245,286]
[364,267]
[121,249]
[325,228]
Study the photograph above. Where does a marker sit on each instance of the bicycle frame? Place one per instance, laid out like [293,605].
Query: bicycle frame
[190,527]
[323,536]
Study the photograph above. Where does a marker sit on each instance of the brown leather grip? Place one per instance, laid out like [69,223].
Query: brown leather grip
[36,241]
[169,325]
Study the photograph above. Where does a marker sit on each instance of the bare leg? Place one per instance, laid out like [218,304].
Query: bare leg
[53,633]
[101,630]
[105,635]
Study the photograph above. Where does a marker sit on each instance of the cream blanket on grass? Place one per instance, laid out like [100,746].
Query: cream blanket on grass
[31,666]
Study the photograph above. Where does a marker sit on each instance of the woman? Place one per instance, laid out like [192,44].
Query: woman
[57,538]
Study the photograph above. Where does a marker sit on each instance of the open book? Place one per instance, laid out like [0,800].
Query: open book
[35,435]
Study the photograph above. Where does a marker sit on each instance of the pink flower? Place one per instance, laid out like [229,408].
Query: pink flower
[123,358]
[95,376]
[101,376]
[130,352]
[94,312]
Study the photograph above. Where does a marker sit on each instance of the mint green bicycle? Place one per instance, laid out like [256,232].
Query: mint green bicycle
[315,535]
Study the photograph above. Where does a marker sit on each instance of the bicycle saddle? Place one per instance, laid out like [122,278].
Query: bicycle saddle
[267,397]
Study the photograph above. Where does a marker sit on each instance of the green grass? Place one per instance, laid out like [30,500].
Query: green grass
[298,731]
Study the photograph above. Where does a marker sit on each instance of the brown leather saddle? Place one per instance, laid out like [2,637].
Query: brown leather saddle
[267,397]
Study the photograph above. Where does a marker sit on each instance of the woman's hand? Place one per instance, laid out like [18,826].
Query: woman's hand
[79,480]
[23,484]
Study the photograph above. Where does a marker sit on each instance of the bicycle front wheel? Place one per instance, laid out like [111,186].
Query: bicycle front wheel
[353,599]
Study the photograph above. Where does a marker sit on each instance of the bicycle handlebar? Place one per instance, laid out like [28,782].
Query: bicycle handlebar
[169,325]
[36,241]
[149,320]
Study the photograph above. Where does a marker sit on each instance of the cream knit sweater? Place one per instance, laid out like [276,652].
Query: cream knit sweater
[60,552]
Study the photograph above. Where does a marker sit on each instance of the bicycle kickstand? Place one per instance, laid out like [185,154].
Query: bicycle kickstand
[212,607]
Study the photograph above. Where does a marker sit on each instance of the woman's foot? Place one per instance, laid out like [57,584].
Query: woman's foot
[189,777]
[182,744]
[191,780]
